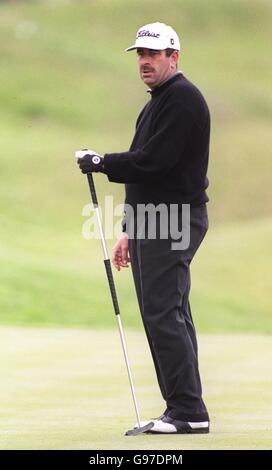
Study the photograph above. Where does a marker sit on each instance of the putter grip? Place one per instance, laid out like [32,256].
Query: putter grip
[92,188]
[112,286]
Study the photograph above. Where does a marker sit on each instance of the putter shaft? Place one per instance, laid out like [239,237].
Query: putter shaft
[113,292]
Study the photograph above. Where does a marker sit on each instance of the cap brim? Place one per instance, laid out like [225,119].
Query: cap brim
[131,48]
[144,46]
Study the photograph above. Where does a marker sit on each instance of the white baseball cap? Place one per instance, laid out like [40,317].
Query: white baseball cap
[158,36]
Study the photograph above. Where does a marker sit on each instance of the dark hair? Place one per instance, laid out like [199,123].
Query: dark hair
[169,52]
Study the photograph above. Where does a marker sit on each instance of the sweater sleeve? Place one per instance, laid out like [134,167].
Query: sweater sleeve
[172,129]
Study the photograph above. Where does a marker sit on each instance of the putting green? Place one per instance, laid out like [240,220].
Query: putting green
[68,389]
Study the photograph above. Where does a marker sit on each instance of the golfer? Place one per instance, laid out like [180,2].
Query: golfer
[165,167]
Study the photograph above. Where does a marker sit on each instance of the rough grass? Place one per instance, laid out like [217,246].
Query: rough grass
[66,84]
[63,70]
[57,278]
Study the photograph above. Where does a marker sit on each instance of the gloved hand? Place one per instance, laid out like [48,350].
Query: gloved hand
[89,161]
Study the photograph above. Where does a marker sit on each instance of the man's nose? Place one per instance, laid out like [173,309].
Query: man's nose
[144,60]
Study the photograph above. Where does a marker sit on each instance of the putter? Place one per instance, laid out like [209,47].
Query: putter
[140,429]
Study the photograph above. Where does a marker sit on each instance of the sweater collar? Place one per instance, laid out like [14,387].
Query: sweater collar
[160,88]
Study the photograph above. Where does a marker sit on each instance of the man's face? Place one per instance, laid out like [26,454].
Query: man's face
[154,66]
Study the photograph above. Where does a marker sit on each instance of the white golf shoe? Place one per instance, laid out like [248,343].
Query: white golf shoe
[167,425]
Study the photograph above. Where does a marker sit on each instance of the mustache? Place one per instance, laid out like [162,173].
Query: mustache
[147,69]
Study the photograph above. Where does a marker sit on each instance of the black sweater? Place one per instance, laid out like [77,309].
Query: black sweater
[168,158]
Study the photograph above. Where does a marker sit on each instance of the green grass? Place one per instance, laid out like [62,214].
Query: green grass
[66,84]
[232,278]
[70,77]
[68,389]
[51,279]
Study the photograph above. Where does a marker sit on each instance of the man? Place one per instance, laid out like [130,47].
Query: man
[166,164]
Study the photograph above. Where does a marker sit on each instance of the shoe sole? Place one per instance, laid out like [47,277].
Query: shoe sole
[182,431]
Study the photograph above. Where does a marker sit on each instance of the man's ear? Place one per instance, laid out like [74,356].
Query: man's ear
[175,58]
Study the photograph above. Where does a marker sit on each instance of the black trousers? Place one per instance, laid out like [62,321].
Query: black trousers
[162,281]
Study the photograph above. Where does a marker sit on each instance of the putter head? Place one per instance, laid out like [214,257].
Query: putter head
[142,429]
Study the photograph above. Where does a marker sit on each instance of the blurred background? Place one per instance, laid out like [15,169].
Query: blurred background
[66,83]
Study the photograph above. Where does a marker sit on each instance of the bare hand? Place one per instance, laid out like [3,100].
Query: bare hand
[120,256]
